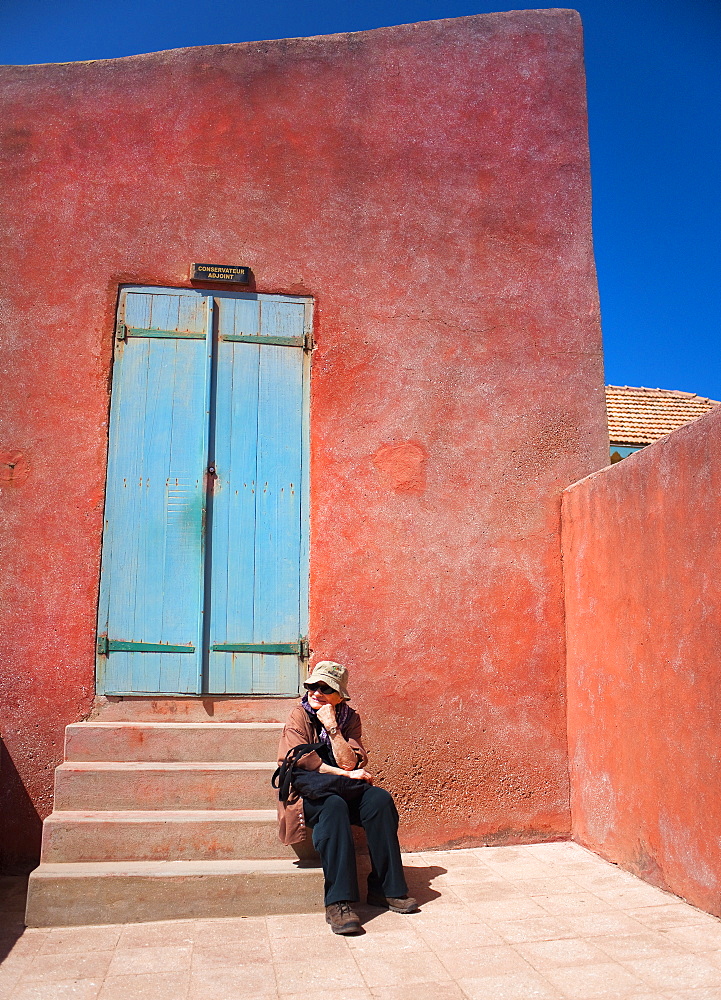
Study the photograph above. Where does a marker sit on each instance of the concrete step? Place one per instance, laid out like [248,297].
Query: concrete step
[114,785]
[162,835]
[61,895]
[204,841]
[210,708]
[172,741]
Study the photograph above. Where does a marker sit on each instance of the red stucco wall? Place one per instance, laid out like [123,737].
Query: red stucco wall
[429,186]
[642,547]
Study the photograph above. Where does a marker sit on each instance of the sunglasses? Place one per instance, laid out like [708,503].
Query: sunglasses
[323,688]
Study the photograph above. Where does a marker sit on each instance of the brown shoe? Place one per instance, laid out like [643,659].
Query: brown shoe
[399,904]
[342,919]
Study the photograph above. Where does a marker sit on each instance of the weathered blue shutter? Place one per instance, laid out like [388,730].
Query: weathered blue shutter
[259,559]
[153,549]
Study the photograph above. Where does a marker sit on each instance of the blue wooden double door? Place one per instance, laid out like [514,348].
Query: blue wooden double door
[205,550]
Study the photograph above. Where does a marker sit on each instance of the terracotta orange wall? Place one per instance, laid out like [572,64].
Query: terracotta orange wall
[429,185]
[642,549]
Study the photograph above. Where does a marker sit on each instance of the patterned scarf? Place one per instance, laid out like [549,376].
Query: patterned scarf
[342,714]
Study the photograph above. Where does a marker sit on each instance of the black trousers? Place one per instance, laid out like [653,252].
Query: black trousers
[331,820]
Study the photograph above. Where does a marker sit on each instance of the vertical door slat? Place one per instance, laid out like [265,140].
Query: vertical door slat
[279,525]
[233,542]
[278,511]
[152,550]
[257,526]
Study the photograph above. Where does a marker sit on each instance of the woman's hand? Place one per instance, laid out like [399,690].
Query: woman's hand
[360,775]
[326,716]
[344,754]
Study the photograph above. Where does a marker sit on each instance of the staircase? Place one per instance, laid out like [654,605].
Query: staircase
[159,820]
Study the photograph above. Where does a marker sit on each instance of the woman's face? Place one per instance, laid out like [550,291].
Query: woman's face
[323,695]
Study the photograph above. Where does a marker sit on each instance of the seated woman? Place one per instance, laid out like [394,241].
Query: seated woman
[324,716]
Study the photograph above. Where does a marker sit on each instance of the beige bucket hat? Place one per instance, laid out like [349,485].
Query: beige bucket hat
[332,674]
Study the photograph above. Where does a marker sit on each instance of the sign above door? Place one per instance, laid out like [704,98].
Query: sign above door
[220,272]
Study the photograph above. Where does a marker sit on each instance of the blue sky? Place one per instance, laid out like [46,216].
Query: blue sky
[654,88]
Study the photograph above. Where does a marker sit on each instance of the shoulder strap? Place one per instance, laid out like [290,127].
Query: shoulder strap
[283,775]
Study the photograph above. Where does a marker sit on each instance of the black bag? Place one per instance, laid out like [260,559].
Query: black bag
[313,784]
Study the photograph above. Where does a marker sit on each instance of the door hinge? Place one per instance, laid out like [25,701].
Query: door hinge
[107,646]
[299,648]
[306,341]
[121,331]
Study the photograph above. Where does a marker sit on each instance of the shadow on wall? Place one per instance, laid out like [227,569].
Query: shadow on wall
[20,825]
[13,893]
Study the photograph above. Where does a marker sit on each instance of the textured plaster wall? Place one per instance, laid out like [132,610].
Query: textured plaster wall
[429,185]
[641,548]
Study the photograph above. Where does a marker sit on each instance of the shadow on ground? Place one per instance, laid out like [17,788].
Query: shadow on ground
[419,886]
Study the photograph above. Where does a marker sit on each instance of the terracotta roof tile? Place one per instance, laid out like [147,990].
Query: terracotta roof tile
[640,416]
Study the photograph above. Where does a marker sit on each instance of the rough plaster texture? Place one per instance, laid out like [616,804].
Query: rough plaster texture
[429,185]
[642,547]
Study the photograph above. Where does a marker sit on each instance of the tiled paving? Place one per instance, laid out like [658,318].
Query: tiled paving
[544,922]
